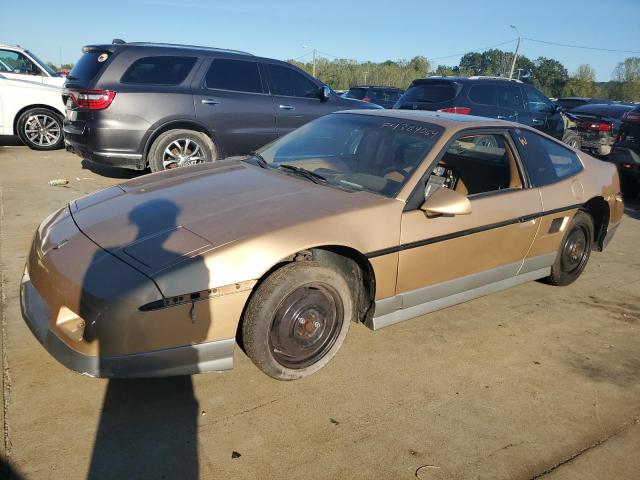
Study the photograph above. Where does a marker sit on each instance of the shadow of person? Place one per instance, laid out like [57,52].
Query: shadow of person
[148,426]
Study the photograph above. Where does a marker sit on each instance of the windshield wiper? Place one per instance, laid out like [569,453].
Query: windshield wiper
[258,159]
[303,172]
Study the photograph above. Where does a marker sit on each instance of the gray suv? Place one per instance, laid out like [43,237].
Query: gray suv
[139,105]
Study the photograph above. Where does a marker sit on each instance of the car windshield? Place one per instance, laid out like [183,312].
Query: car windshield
[354,152]
[43,65]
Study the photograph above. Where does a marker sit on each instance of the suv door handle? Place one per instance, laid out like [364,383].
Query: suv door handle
[287,107]
[210,101]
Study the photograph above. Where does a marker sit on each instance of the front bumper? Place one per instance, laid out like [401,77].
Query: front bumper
[184,360]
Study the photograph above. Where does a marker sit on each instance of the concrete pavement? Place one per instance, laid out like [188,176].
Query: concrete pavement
[533,382]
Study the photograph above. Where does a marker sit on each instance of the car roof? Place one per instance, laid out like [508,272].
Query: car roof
[476,78]
[13,47]
[375,86]
[169,46]
[447,120]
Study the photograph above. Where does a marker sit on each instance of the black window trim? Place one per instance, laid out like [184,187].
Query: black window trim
[186,80]
[207,66]
[512,132]
[416,197]
[293,68]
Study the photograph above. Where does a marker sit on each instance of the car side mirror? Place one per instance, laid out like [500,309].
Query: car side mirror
[325,93]
[444,201]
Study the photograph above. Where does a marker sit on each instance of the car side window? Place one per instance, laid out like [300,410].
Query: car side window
[237,75]
[16,62]
[483,94]
[546,161]
[510,96]
[165,70]
[476,164]
[289,83]
[537,102]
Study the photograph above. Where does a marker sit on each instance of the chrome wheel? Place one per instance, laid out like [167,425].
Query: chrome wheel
[306,325]
[42,130]
[183,152]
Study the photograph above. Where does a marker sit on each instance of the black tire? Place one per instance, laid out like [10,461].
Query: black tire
[40,129]
[572,139]
[297,320]
[574,251]
[173,141]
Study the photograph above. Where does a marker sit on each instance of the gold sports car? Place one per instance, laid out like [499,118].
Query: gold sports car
[372,217]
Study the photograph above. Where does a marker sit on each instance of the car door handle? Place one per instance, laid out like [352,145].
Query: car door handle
[210,101]
[287,107]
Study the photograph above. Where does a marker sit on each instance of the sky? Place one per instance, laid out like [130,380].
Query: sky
[362,30]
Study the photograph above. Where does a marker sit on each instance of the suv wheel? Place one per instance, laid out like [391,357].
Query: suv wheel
[180,148]
[40,129]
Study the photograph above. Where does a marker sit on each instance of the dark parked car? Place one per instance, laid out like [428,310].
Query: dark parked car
[384,96]
[598,125]
[488,97]
[135,105]
[626,151]
[569,103]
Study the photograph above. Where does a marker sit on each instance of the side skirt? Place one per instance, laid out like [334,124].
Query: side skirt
[390,310]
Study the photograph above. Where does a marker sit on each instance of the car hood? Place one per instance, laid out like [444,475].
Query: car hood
[157,220]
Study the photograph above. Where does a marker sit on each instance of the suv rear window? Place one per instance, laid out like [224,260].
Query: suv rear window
[357,93]
[237,75]
[164,70]
[430,93]
[89,65]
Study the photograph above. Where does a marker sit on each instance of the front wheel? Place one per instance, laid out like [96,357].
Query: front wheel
[297,320]
[574,251]
[40,129]
[180,148]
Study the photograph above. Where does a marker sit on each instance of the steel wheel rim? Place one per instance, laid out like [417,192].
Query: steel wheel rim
[42,130]
[183,152]
[574,250]
[306,325]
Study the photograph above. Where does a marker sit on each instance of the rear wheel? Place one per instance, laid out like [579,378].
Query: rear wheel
[572,139]
[40,129]
[297,320]
[180,148]
[574,252]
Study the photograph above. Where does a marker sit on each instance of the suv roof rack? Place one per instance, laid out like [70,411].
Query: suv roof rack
[489,77]
[118,41]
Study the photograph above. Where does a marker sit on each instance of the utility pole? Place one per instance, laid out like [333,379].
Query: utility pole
[519,72]
[365,77]
[515,54]
[314,62]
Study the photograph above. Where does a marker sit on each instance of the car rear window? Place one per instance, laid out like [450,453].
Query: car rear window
[165,70]
[89,65]
[430,93]
[357,93]
[546,161]
[611,111]
[237,75]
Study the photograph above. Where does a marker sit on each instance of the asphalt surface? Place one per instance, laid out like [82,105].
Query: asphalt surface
[533,382]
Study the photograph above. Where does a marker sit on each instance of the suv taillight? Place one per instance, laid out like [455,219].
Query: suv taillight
[459,110]
[600,126]
[92,99]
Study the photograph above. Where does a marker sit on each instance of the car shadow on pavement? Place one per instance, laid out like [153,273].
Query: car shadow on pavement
[10,141]
[112,172]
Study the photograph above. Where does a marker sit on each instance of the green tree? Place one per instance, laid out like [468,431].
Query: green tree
[549,76]
[627,78]
[582,84]
[446,71]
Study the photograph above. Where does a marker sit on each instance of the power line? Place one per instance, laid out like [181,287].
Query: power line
[302,56]
[477,50]
[580,46]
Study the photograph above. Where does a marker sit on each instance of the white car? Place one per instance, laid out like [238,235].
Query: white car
[18,63]
[33,111]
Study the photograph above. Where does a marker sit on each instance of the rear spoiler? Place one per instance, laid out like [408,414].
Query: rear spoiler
[99,48]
